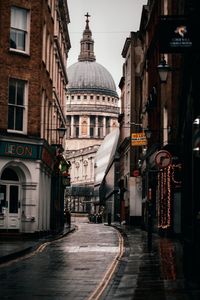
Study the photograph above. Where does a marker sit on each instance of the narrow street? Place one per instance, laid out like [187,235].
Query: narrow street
[69,268]
[95,262]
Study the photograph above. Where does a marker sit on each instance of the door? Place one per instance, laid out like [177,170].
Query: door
[13,207]
[9,206]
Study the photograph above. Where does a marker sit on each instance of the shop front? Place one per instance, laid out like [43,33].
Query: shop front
[25,185]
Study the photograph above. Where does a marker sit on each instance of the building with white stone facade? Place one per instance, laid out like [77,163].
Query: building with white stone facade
[91,112]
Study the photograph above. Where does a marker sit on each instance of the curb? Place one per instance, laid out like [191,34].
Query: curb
[20,253]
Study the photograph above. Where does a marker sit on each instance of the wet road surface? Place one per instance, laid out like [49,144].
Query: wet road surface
[69,268]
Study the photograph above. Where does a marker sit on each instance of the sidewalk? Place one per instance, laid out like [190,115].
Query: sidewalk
[12,248]
[155,275]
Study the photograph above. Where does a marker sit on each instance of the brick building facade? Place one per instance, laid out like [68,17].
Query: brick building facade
[33,49]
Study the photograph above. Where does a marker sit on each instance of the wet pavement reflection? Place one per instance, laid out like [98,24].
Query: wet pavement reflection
[155,275]
[69,268]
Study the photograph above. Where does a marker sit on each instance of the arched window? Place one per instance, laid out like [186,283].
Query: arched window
[9,175]
[85,164]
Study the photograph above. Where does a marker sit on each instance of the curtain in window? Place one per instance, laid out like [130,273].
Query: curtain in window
[19,18]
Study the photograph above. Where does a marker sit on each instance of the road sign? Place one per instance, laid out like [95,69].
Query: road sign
[138,139]
[163,159]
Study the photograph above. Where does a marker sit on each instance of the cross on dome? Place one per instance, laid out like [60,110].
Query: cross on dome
[87,43]
[87,20]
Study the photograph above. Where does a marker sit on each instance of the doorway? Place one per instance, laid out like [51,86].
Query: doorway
[9,200]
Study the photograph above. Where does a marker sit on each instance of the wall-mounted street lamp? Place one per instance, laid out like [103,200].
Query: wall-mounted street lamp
[163,69]
[61,131]
[148,133]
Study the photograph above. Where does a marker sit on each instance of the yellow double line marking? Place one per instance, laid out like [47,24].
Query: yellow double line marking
[105,280]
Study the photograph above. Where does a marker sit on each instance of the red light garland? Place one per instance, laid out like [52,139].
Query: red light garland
[165,199]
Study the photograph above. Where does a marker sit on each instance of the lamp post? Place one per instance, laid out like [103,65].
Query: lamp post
[57,215]
[163,69]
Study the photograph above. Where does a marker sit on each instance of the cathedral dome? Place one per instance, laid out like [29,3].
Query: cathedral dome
[90,77]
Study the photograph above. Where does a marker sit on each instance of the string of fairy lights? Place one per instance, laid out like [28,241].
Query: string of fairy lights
[166,181]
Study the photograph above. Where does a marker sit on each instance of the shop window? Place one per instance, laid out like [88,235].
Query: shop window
[2,197]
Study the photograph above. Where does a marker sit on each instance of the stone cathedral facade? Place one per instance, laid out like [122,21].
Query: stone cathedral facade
[92,110]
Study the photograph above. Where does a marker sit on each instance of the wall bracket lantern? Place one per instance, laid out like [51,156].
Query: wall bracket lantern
[163,70]
[61,131]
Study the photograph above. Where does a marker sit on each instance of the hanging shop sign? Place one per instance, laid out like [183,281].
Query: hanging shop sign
[163,159]
[138,139]
[176,35]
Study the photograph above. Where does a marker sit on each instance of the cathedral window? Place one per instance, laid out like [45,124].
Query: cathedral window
[84,128]
[77,131]
[91,132]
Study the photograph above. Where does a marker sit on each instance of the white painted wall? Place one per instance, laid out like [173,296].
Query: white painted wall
[135,196]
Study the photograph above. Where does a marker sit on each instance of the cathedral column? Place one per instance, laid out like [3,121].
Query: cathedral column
[96,127]
[72,126]
[80,127]
[88,131]
[104,126]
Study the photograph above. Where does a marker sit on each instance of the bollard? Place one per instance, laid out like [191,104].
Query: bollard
[109,218]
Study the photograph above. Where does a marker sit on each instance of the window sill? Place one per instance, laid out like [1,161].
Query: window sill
[18,52]
[16,132]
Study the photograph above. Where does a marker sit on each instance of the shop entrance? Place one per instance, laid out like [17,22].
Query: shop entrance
[9,200]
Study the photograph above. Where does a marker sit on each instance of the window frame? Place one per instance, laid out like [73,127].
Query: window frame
[24,106]
[26,32]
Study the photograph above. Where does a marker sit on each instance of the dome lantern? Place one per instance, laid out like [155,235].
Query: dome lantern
[87,44]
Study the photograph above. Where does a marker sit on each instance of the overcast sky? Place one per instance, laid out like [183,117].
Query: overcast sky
[111,22]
